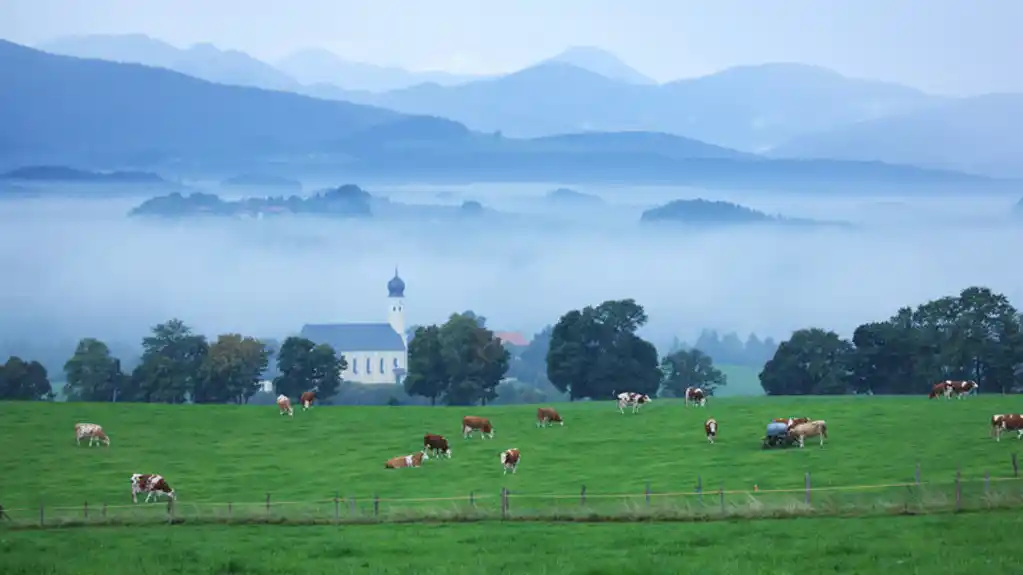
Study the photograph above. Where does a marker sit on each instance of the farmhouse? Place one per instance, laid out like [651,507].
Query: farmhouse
[376,352]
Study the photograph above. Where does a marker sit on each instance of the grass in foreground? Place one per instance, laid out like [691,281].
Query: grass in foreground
[935,545]
[215,455]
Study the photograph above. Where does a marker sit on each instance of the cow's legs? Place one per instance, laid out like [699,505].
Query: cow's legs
[800,441]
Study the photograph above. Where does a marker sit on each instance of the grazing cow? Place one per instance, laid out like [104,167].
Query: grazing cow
[817,428]
[307,398]
[150,484]
[961,388]
[711,427]
[510,460]
[546,415]
[1007,422]
[697,396]
[633,400]
[436,444]
[414,460]
[790,422]
[94,432]
[942,388]
[471,423]
[284,404]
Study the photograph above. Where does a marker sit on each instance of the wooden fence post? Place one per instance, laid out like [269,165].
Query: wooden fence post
[699,487]
[42,515]
[958,491]
[230,510]
[582,496]
[648,493]
[170,511]
[376,505]
[104,511]
[1015,466]
[806,497]
[721,498]
[268,504]
[337,507]
[85,510]
[472,499]
[918,473]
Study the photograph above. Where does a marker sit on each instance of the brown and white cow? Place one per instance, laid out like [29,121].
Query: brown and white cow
[696,396]
[960,388]
[150,484]
[510,460]
[472,423]
[817,428]
[633,400]
[94,432]
[307,398]
[711,427]
[942,388]
[791,421]
[1007,422]
[284,405]
[414,460]
[436,444]
[546,416]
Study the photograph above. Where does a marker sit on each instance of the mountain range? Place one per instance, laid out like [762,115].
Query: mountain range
[97,113]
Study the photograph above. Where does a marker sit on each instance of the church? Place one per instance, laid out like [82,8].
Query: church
[376,352]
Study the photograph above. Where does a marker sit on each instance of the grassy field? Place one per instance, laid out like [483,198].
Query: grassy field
[932,545]
[216,455]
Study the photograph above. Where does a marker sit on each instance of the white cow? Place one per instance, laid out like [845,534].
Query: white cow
[633,400]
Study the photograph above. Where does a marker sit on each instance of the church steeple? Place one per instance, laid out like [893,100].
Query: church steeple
[396,287]
[396,311]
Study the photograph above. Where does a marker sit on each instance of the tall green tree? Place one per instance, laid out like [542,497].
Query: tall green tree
[326,366]
[92,373]
[169,366]
[230,371]
[305,366]
[691,368]
[427,371]
[812,362]
[531,365]
[595,352]
[21,380]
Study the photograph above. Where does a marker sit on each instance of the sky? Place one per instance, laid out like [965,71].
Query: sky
[954,47]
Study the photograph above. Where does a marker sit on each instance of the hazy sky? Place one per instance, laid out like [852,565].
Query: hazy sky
[945,46]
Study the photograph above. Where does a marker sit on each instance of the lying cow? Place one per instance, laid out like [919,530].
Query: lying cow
[942,388]
[960,388]
[151,485]
[510,460]
[801,431]
[414,460]
[436,444]
[546,415]
[1007,422]
[696,396]
[711,427]
[633,400]
[471,423]
[307,398]
[94,432]
[284,405]
[792,421]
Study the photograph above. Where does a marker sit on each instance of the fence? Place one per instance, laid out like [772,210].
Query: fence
[915,497]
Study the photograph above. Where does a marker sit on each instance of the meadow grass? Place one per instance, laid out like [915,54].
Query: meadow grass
[224,460]
[967,543]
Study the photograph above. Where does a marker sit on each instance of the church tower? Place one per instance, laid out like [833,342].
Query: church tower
[396,305]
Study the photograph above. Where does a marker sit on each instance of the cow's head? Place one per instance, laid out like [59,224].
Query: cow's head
[644,398]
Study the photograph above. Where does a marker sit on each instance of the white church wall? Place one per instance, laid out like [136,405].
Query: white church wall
[372,367]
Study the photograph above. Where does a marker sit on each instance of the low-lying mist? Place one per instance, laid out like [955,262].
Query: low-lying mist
[76,267]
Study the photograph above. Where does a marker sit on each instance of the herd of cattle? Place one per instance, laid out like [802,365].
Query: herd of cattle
[781,431]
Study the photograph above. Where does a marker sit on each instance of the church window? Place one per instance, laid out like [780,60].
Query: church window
[369,369]
[395,363]
[381,365]
[355,366]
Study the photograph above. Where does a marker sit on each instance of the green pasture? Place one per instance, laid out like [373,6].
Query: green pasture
[215,455]
[948,544]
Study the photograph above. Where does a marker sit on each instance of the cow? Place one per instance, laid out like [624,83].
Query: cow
[941,388]
[961,388]
[546,416]
[711,427]
[414,460]
[150,484]
[1007,422]
[510,460]
[284,404]
[633,400]
[817,428]
[307,398]
[791,421]
[94,432]
[471,422]
[436,444]
[696,395]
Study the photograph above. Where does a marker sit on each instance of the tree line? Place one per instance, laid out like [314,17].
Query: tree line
[976,335]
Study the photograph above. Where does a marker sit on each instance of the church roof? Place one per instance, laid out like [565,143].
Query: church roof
[348,337]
